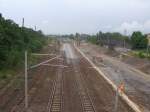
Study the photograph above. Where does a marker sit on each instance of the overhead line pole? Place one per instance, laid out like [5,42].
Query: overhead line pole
[35,28]
[26,80]
[26,73]
[124,42]
[22,22]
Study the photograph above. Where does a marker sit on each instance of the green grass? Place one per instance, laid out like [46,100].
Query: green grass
[6,76]
[140,53]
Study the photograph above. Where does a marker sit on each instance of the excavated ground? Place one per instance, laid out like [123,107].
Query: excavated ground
[137,84]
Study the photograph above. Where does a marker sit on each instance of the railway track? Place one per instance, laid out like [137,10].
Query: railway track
[55,99]
[67,90]
[87,103]
[19,103]
[55,103]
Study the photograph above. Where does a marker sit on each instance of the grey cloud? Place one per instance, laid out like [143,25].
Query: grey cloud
[85,16]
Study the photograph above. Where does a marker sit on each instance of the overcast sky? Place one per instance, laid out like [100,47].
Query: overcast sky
[83,16]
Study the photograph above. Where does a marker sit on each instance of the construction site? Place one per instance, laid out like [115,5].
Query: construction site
[66,80]
[74,56]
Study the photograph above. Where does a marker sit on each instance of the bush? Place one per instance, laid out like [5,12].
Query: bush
[141,55]
[3,76]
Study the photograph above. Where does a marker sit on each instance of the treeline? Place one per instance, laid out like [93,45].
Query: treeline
[136,41]
[14,40]
[110,39]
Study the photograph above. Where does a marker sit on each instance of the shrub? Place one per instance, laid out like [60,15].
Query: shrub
[141,55]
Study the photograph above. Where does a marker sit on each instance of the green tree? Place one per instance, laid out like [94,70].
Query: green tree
[14,40]
[138,40]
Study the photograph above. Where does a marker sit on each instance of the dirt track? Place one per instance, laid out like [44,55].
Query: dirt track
[75,88]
